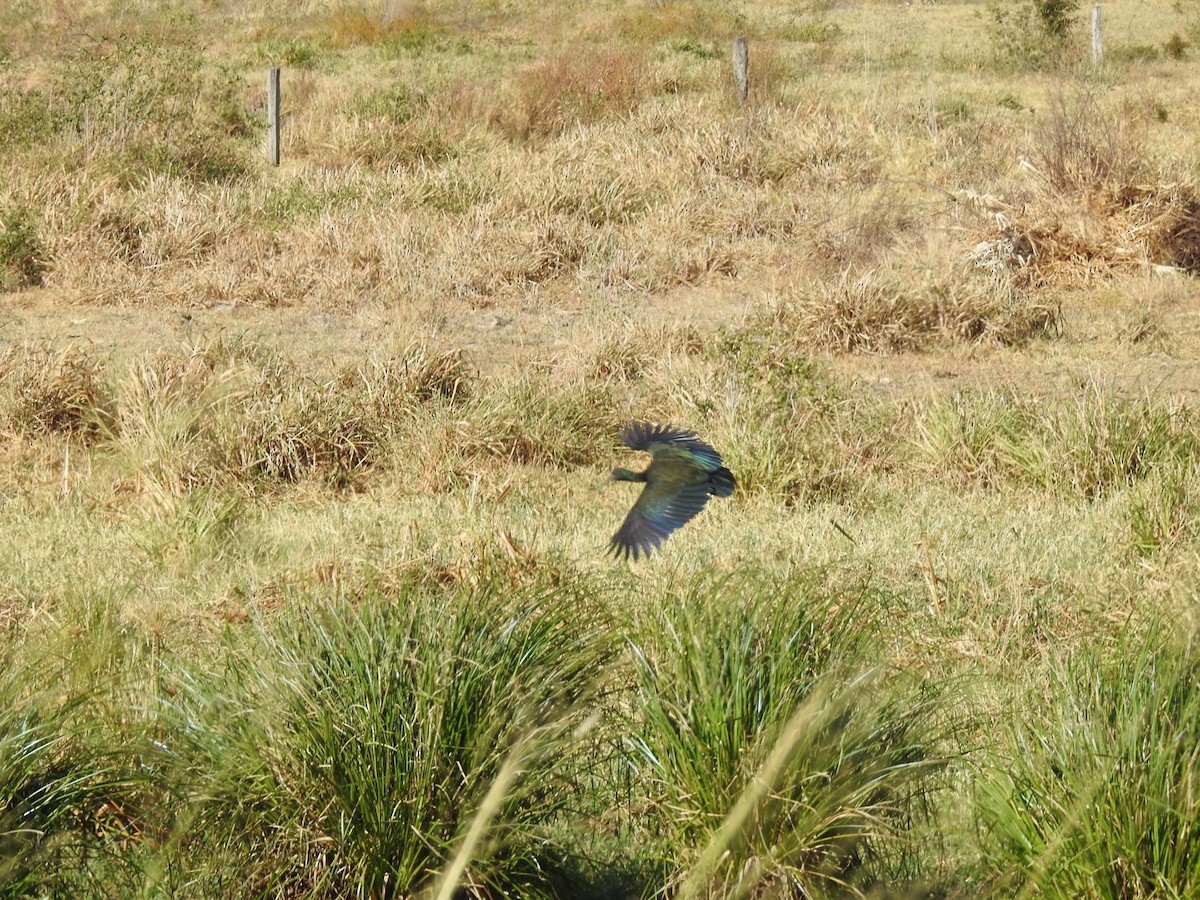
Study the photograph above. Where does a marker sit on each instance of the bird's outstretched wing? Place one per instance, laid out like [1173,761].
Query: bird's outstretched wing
[662,507]
[654,439]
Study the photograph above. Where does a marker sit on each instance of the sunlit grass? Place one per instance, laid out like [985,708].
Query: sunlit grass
[364,749]
[304,470]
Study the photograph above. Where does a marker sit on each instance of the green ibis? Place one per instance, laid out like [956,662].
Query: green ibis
[683,473]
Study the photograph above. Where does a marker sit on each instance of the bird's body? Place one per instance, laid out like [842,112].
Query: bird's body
[683,473]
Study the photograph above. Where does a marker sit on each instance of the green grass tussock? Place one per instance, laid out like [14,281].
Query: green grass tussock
[69,797]
[348,752]
[770,745]
[1096,797]
[1090,447]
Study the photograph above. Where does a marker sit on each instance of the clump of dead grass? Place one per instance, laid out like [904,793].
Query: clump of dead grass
[1078,239]
[862,227]
[45,391]
[22,256]
[890,311]
[572,87]
[1094,206]
[296,427]
[230,411]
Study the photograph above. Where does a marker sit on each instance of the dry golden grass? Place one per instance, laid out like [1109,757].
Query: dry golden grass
[642,176]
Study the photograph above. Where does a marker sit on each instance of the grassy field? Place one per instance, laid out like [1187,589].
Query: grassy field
[303,470]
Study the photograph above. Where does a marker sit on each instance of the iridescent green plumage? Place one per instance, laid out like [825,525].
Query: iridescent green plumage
[683,473]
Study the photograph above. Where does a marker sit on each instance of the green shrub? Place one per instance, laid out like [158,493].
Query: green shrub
[1162,513]
[1176,47]
[26,118]
[1034,33]
[293,51]
[142,106]
[813,31]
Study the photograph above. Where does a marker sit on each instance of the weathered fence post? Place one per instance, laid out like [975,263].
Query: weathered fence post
[273,116]
[1097,40]
[741,68]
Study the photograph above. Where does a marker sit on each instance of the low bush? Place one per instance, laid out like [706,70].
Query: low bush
[23,261]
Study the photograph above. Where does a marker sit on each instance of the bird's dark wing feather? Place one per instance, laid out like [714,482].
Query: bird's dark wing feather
[656,438]
[661,508]
[722,482]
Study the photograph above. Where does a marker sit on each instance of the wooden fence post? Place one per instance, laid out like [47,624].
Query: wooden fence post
[1097,40]
[741,68]
[273,116]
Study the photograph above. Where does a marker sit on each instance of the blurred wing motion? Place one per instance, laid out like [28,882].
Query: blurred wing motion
[683,473]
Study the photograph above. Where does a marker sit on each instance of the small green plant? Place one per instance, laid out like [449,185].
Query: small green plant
[1162,513]
[22,255]
[293,50]
[132,98]
[887,311]
[1009,100]
[1176,47]
[1135,53]
[1057,16]
[396,104]
[26,117]
[694,47]
[411,38]
[813,31]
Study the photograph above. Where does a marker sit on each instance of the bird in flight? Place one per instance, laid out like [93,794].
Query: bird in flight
[683,473]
